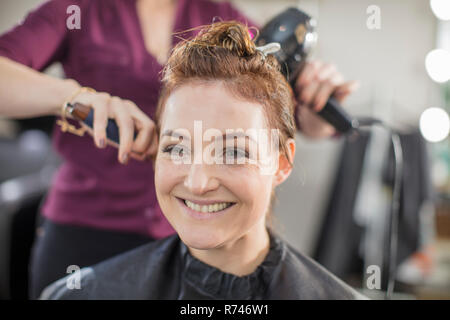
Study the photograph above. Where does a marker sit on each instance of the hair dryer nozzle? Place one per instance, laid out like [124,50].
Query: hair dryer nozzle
[294,31]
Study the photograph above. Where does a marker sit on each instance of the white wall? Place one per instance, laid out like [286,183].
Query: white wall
[13,11]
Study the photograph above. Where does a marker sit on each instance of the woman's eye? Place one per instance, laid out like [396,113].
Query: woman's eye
[175,150]
[235,153]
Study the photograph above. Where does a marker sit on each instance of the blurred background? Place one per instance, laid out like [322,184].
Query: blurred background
[335,207]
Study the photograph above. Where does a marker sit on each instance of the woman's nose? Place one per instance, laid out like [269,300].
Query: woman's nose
[200,179]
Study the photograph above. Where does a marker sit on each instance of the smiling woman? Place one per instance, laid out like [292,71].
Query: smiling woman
[223,248]
[190,194]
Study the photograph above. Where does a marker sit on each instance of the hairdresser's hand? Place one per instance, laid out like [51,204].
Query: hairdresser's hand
[129,118]
[315,84]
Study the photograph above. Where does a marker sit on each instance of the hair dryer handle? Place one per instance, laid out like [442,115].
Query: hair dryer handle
[335,115]
[85,114]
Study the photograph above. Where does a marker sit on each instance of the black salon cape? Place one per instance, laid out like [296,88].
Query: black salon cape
[165,269]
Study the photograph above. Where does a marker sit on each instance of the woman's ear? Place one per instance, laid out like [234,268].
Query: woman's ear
[284,167]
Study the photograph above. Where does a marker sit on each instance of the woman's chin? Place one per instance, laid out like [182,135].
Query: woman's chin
[199,241]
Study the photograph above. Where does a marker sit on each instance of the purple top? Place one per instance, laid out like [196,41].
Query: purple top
[108,53]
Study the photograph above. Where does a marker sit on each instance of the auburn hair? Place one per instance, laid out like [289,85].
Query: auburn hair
[224,51]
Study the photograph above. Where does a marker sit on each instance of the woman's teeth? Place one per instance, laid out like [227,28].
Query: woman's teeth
[208,208]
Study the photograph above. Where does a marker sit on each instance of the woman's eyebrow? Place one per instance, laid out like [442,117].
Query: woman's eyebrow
[171,133]
[225,136]
[238,134]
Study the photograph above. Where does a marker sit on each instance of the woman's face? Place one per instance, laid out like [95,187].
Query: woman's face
[210,203]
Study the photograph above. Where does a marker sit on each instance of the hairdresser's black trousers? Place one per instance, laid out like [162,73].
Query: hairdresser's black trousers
[58,246]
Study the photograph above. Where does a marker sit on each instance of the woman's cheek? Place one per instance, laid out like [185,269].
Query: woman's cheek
[249,185]
[158,173]
[165,176]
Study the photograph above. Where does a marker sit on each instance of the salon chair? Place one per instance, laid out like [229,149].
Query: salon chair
[26,167]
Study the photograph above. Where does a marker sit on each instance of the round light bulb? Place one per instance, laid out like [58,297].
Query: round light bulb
[441,8]
[434,124]
[437,63]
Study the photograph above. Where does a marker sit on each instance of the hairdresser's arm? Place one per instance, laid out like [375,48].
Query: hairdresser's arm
[317,82]
[26,93]
[32,45]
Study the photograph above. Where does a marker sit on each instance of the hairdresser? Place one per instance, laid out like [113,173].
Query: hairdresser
[102,201]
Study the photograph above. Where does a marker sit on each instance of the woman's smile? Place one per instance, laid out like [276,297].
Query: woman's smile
[205,209]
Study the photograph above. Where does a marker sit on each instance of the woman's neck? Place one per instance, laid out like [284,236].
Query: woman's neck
[156,3]
[240,257]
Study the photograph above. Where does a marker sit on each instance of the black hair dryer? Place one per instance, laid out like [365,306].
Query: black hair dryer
[294,31]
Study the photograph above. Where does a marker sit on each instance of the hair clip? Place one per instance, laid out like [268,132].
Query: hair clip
[269,48]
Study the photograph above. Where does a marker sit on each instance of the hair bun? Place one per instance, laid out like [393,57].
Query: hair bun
[231,35]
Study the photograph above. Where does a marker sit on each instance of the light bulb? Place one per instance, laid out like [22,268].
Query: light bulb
[434,124]
[437,63]
[441,8]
